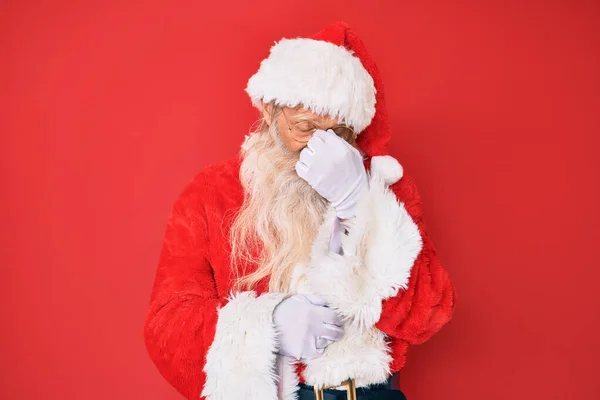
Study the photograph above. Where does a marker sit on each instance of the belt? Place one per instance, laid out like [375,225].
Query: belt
[374,392]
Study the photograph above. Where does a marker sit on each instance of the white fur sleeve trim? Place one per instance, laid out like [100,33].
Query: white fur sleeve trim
[379,253]
[241,362]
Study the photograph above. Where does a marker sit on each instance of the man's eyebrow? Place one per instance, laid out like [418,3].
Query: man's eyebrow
[315,119]
[299,118]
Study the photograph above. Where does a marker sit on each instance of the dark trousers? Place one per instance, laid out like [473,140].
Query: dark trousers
[374,393]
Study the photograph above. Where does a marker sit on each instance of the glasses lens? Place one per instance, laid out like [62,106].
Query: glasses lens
[305,127]
[344,132]
[303,131]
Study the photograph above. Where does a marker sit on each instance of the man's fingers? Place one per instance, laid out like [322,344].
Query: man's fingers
[321,342]
[316,300]
[331,332]
[317,142]
[324,136]
[331,317]
[306,156]
[301,169]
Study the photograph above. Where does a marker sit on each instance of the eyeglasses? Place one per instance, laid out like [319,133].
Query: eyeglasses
[302,131]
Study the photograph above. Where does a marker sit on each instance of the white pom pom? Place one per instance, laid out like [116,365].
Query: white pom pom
[386,168]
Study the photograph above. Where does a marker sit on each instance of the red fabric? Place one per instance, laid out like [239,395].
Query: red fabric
[193,280]
[192,277]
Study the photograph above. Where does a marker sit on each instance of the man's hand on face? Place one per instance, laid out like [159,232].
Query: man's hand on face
[335,170]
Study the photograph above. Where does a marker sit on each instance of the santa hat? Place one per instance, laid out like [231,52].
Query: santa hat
[329,73]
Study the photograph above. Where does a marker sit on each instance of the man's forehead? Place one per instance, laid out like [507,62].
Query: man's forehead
[306,113]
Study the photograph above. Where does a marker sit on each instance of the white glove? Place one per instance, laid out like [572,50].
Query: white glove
[335,242]
[306,327]
[335,170]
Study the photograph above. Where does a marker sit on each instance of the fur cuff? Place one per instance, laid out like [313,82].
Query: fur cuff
[241,362]
[379,252]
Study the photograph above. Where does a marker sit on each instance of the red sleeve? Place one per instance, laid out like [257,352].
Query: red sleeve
[181,321]
[414,315]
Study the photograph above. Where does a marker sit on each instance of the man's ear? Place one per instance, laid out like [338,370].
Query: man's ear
[267,110]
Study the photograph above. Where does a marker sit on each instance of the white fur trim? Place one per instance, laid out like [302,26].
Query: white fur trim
[387,168]
[323,77]
[379,253]
[240,363]
[361,354]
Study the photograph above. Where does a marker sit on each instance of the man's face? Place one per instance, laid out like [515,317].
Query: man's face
[297,125]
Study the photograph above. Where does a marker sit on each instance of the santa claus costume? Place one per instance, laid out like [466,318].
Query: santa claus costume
[210,340]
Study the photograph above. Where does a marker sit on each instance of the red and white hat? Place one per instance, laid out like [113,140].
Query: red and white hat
[329,73]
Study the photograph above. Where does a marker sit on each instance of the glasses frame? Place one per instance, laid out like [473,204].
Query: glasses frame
[291,128]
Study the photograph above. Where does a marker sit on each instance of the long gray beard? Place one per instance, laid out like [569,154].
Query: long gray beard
[281,210]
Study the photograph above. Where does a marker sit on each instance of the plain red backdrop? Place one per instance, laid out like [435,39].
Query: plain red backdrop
[107,109]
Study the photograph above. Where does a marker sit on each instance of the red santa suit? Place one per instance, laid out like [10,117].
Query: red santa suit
[212,342]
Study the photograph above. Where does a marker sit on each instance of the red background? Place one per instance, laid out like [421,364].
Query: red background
[109,107]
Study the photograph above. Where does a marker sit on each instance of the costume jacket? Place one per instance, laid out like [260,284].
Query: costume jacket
[389,286]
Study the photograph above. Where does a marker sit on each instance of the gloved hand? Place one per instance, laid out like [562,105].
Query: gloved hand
[306,327]
[335,170]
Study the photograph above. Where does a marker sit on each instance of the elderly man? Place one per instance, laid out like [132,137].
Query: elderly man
[303,263]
